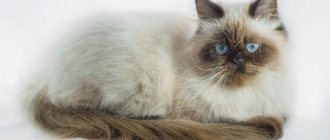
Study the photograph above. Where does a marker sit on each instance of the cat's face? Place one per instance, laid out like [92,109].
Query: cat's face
[237,44]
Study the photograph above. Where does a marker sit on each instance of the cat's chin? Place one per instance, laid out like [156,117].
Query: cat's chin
[238,79]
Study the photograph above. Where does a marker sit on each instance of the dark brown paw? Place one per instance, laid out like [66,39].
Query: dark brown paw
[269,126]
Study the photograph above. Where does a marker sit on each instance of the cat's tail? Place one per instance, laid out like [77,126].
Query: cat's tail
[67,123]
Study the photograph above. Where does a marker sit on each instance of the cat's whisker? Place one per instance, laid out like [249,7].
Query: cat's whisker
[206,76]
[221,79]
[267,73]
[208,83]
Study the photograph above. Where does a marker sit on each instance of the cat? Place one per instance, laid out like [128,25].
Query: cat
[169,77]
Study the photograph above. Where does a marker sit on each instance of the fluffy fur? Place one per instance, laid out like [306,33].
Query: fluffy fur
[119,70]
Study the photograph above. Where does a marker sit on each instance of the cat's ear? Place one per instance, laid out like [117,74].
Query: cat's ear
[264,9]
[208,10]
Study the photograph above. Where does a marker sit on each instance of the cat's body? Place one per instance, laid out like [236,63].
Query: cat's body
[143,67]
[128,62]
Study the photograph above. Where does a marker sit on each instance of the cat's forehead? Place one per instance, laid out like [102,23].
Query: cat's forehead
[230,28]
[238,26]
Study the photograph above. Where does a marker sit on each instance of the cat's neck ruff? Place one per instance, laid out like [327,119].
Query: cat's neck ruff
[264,97]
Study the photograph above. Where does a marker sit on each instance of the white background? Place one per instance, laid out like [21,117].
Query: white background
[27,27]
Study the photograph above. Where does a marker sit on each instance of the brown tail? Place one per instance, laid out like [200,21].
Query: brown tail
[68,123]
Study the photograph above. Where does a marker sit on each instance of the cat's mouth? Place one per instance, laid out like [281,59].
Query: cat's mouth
[236,78]
[237,75]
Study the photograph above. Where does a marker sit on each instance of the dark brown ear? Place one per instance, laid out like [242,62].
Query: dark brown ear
[208,10]
[264,9]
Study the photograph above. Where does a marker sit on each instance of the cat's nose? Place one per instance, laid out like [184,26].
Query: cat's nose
[238,59]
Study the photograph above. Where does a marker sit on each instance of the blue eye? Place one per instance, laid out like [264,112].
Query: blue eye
[221,48]
[252,47]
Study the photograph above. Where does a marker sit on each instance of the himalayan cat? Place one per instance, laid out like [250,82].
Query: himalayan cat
[168,77]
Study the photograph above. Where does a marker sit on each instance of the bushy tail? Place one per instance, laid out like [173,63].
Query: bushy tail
[67,123]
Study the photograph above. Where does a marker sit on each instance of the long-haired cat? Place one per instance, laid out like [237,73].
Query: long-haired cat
[167,77]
